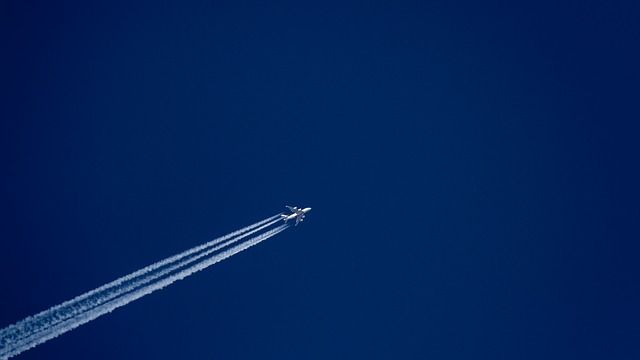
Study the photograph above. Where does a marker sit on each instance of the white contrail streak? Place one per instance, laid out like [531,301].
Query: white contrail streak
[126,299]
[58,310]
[99,298]
[49,324]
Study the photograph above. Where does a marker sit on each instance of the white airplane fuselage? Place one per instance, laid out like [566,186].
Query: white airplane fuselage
[298,213]
[295,215]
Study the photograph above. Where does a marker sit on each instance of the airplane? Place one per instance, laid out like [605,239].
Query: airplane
[298,214]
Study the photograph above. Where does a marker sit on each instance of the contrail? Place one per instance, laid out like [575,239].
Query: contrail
[126,299]
[99,298]
[57,312]
[47,325]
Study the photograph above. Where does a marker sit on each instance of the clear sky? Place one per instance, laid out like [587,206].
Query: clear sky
[472,169]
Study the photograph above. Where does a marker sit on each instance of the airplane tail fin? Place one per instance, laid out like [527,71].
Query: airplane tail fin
[284,217]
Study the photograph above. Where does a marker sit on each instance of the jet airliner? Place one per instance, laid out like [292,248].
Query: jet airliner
[298,214]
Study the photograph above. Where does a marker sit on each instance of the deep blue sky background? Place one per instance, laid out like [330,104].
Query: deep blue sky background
[472,166]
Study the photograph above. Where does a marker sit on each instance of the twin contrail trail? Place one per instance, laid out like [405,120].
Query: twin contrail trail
[57,320]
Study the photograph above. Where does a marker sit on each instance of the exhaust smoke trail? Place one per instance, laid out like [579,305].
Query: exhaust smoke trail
[127,298]
[59,310]
[59,319]
[99,298]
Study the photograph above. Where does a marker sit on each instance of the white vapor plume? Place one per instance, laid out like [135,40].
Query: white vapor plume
[99,298]
[59,319]
[58,310]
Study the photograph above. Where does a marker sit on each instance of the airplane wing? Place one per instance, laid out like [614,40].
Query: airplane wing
[296,210]
[298,219]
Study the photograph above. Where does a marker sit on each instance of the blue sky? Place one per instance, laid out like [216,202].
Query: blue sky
[472,169]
